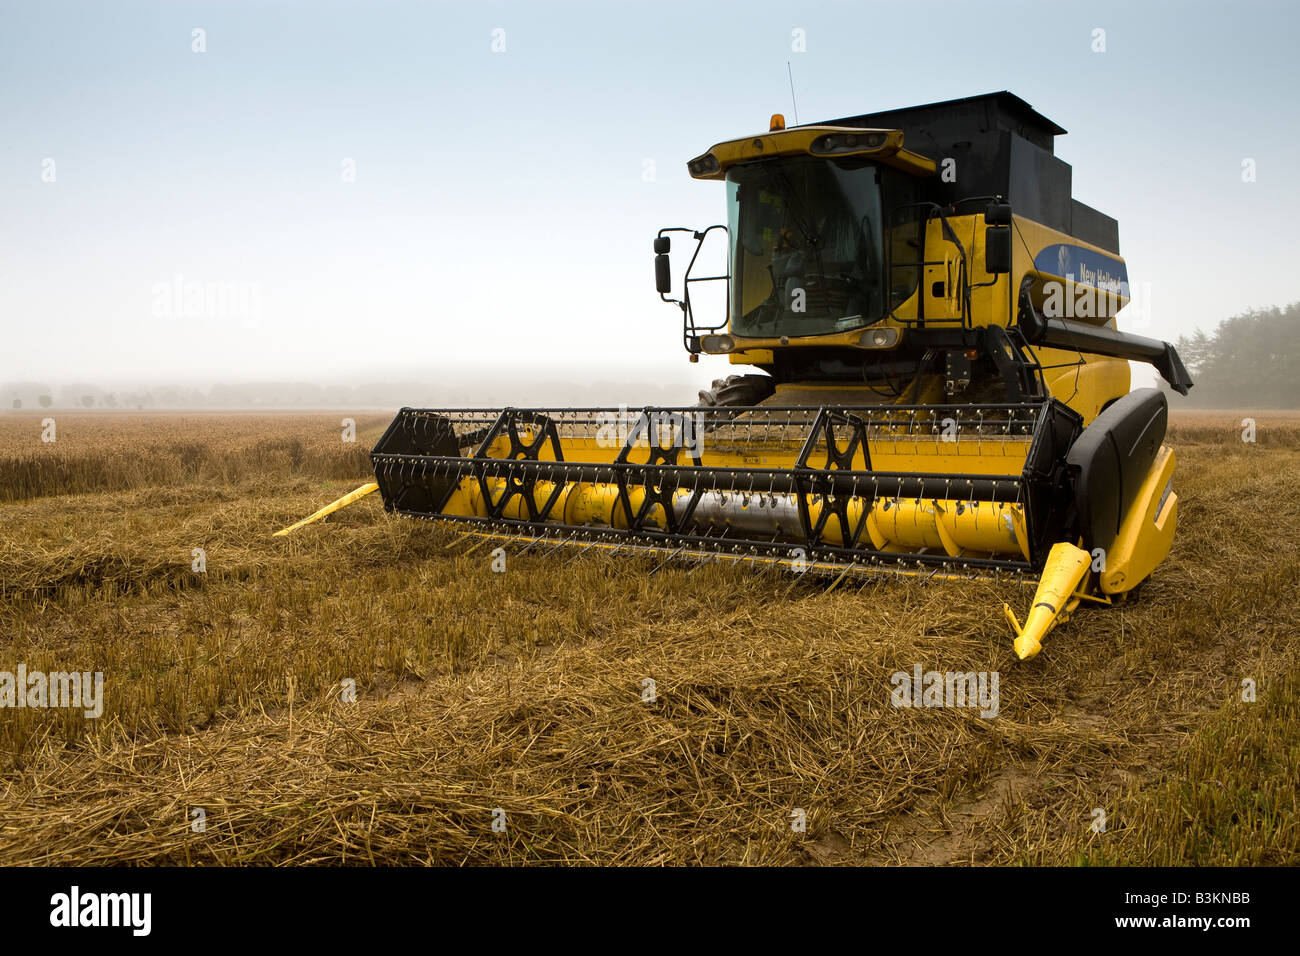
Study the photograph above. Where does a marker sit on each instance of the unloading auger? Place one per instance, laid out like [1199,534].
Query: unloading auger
[938,399]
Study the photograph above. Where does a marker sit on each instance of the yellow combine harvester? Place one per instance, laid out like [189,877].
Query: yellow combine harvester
[943,389]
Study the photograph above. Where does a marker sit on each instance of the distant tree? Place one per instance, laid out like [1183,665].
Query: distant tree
[1249,361]
[87,401]
[110,401]
[18,403]
[45,400]
[1195,351]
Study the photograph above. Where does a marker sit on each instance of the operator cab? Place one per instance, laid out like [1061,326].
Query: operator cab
[824,241]
[807,240]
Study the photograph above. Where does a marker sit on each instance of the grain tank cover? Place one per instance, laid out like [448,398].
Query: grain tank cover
[936,125]
[998,145]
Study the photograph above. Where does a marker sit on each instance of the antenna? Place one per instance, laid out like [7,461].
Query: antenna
[793,103]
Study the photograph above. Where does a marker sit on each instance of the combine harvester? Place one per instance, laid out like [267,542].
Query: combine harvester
[944,389]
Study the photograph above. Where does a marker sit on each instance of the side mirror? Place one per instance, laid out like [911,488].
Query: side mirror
[663,269]
[997,250]
[997,214]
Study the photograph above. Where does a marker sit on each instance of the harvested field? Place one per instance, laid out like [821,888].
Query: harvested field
[522,697]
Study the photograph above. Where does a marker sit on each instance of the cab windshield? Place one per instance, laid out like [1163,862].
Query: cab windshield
[805,246]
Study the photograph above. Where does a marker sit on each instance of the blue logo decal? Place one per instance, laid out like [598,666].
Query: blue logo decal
[1091,268]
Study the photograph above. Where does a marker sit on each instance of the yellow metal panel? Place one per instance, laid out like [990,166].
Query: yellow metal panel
[1087,387]
[1147,532]
[798,142]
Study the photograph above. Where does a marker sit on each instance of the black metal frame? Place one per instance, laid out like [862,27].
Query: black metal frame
[818,481]
[691,331]
[841,434]
[509,422]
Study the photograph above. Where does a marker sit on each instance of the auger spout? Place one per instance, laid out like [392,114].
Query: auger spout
[333,506]
[1054,600]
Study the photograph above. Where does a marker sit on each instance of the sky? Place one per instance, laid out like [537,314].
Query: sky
[469,191]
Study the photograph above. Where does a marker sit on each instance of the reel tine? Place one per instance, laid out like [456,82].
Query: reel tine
[474,547]
[667,559]
[461,537]
[590,545]
[836,582]
[767,563]
[559,543]
[798,577]
[532,544]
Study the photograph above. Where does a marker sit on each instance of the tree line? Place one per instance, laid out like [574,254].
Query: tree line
[1249,361]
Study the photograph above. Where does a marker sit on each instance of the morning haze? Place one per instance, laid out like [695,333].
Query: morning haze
[232,192]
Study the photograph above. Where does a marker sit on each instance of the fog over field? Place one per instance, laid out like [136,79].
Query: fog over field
[432,390]
[227,192]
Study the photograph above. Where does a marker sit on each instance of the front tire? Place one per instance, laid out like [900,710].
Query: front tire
[737,390]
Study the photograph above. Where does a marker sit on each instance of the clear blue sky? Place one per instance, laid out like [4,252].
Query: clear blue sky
[500,216]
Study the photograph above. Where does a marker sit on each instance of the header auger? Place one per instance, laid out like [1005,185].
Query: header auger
[944,391]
